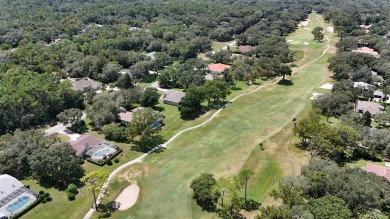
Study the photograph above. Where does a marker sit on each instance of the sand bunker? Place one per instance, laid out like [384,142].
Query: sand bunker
[305,43]
[327,86]
[305,23]
[128,197]
[315,96]
[289,41]
[306,28]
[330,29]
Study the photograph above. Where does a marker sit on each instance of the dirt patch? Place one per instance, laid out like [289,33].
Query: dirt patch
[133,173]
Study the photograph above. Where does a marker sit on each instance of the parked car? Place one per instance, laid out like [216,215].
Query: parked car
[53,124]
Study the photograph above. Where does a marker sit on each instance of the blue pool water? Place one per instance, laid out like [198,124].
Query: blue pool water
[106,151]
[14,207]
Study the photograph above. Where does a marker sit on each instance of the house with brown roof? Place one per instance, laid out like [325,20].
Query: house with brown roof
[218,68]
[246,48]
[80,84]
[173,97]
[84,143]
[378,170]
[373,108]
[366,50]
[127,117]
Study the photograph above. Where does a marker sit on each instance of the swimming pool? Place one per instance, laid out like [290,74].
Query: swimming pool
[100,153]
[14,207]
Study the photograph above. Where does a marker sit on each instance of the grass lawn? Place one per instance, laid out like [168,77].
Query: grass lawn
[218,45]
[298,55]
[362,163]
[60,206]
[230,143]
[63,138]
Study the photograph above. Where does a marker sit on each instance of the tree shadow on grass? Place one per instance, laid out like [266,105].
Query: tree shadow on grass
[149,145]
[236,88]
[106,209]
[195,114]
[159,108]
[286,82]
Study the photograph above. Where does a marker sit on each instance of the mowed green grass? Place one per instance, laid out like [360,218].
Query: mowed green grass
[224,146]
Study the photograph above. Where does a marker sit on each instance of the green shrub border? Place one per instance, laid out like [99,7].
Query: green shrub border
[20,214]
[102,164]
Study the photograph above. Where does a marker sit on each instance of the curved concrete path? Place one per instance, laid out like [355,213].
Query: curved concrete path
[140,158]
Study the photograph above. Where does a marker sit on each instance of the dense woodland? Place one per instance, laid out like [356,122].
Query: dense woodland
[96,40]
[44,42]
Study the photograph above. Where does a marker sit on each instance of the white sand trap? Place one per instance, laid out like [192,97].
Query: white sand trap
[305,23]
[315,96]
[289,41]
[305,43]
[330,29]
[128,197]
[387,164]
[327,86]
[306,28]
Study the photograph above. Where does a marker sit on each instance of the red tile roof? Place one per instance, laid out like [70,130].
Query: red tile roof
[366,50]
[378,170]
[219,67]
[246,48]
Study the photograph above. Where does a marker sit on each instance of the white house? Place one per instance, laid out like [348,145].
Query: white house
[14,196]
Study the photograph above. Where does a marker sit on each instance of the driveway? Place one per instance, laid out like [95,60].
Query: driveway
[60,128]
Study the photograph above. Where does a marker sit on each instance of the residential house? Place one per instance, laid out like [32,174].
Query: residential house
[218,68]
[83,143]
[363,85]
[173,97]
[126,71]
[81,84]
[373,108]
[127,117]
[376,79]
[151,55]
[14,196]
[379,96]
[134,29]
[246,48]
[378,170]
[367,50]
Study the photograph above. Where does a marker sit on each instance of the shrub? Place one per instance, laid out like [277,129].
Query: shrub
[378,158]
[41,192]
[72,188]
[71,195]
[116,160]
[109,162]
[49,199]
[47,194]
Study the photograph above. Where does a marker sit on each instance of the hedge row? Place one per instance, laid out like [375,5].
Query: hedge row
[104,162]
